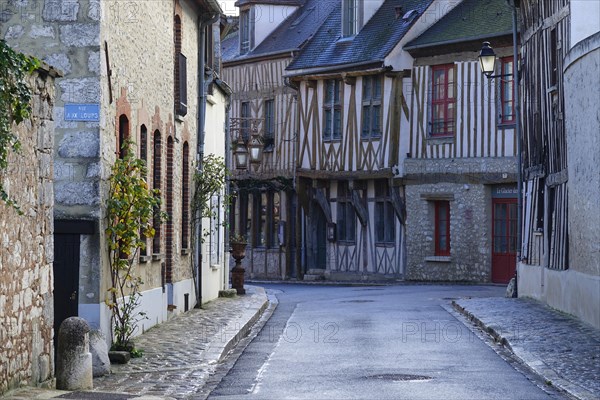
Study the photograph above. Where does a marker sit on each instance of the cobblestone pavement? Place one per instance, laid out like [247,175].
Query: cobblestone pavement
[179,355]
[557,346]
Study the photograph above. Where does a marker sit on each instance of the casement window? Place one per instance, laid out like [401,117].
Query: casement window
[246,31]
[443,101]
[332,110]
[245,115]
[185,197]
[507,92]
[442,228]
[371,106]
[156,183]
[180,71]
[346,216]
[351,17]
[123,135]
[553,57]
[269,128]
[215,230]
[385,226]
[209,55]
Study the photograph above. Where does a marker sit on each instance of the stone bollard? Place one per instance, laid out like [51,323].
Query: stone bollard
[73,358]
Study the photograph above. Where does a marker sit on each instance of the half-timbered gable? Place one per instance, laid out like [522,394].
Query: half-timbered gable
[351,78]
[561,174]
[264,105]
[460,167]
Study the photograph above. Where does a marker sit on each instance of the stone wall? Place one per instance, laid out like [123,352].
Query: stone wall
[470,233]
[26,303]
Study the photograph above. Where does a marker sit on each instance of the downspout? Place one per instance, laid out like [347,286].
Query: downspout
[202,24]
[518,133]
[228,165]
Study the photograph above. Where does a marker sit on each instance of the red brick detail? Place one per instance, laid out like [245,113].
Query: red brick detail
[169,193]
[185,197]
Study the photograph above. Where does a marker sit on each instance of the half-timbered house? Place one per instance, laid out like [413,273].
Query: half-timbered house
[352,110]
[561,146]
[264,106]
[460,170]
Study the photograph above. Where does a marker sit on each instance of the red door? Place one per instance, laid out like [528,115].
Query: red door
[504,239]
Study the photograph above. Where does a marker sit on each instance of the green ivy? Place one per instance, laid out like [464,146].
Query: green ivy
[15,104]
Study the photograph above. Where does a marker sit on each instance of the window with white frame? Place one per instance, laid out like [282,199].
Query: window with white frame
[332,110]
[507,92]
[246,31]
[351,17]
[371,106]
[269,128]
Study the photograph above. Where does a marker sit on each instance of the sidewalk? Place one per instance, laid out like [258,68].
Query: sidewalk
[560,348]
[179,355]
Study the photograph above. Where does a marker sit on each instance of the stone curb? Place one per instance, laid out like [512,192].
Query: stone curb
[536,364]
[219,347]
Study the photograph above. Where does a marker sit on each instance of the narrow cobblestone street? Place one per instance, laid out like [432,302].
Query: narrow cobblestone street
[559,347]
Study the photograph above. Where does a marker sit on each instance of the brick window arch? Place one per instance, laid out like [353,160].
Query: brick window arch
[156,181]
[185,197]
[123,130]
[169,194]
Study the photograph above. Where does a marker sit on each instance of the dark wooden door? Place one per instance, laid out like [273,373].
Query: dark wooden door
[66,278]
[504,239]
[321,239]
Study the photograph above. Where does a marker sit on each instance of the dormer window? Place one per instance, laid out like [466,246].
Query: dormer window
[246,31]
[351,17]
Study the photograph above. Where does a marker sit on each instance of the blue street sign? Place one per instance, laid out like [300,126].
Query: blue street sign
[82,112]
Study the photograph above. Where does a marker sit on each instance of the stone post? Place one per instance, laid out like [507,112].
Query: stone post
[73,358]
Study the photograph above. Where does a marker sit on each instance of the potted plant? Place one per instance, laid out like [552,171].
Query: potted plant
[238,245]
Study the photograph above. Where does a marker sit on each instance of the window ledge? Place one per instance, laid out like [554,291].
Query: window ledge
[440,139]
[215,267]
[441,259]
[144,259]
[336,140]
[343,39]
[506,125]
[185,252]
[179,118]
[210,99]
[157,257]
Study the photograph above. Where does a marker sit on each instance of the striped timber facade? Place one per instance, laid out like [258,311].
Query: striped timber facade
[264,201]
[351,167]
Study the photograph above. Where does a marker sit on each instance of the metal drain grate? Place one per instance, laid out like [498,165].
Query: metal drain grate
[358,301]
[400,377]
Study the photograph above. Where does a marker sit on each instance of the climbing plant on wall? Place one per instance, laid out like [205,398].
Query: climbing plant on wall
[15,104]
[131,209]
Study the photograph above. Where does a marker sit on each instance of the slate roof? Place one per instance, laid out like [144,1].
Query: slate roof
[470,20]
[289,36]
[373,43]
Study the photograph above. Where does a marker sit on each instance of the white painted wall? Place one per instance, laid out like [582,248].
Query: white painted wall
[570,291]
[267,17]
[585,19]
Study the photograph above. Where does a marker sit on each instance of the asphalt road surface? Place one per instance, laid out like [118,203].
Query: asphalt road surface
[379,342]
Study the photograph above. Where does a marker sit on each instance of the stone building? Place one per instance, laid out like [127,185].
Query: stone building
[26,304]
[460,169]
[122,83]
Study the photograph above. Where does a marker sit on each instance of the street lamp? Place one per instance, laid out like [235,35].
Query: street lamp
[487,60]
[241,154]
[256,148]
